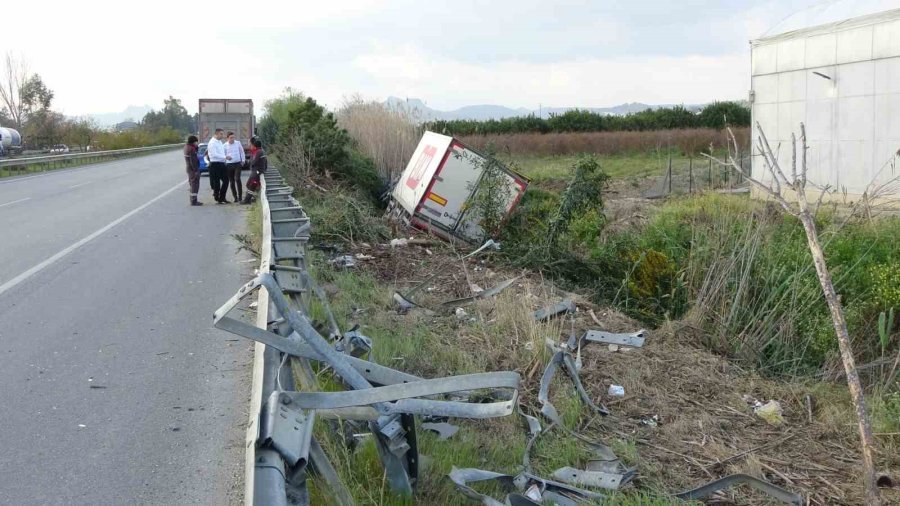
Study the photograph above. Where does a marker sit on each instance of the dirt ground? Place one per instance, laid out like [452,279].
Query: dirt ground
[687,411]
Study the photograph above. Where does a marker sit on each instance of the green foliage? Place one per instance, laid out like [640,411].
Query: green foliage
[35,96]
[137,138]
[579,120]
[173,115]
[490,195]
[276,116]
[582,195]
[318,133]
[718,115]
[885,326]
[307,139]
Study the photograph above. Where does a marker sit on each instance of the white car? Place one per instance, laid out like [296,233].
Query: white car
[59,149]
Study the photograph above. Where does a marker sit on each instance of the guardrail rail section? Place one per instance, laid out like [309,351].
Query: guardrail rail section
[14,166]
[281,447]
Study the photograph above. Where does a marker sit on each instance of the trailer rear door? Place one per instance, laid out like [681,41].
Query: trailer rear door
[453,184]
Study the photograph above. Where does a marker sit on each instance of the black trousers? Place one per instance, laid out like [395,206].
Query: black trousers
[234,179]
[218,180]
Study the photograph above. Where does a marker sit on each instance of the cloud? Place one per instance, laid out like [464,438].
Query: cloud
[591,82]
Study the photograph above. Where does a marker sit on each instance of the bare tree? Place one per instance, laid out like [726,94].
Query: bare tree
[801,209]
[15,76]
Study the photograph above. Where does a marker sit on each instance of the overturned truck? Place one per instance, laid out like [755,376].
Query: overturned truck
[441,183]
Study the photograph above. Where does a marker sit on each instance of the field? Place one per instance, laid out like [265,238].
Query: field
[723,283]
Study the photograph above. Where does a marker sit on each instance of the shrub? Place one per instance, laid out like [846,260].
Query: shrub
[687,141]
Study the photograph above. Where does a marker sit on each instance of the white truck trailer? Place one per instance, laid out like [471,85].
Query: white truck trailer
[229,114]
[437,188]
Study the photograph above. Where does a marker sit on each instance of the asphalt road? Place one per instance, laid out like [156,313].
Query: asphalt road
[114,386]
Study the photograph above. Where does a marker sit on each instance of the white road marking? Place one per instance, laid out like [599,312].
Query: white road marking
[46,263]
[15,202]
[79,184]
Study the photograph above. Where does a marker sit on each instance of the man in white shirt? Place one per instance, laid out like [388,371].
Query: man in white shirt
[234,160]
[215,151]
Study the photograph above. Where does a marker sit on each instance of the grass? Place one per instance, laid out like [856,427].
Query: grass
[434,347]
[542,169]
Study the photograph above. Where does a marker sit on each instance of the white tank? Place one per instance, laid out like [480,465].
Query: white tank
[10,139]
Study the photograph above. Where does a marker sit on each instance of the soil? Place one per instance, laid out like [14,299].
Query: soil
[704,426]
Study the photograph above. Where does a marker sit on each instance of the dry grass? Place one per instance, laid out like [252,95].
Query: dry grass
[688,141]
[706,430]
[386,135]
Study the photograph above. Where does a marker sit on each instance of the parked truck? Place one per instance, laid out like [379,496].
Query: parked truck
[10,142]
[229,114]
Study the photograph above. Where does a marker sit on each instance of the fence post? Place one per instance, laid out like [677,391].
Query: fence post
[710,174]
[670,174]
[691,175]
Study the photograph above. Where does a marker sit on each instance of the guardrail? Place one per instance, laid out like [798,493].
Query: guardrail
[379,401]
[13,166]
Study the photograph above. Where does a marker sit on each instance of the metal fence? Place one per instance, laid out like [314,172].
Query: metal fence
[32,164]
[694,175]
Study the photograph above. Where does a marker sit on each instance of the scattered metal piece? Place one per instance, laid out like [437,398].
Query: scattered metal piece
[462,477]
[737,479]
[634,339]
[481,295]
[343,261]
[616,391]
[564,307]
[444,430]
[598,479]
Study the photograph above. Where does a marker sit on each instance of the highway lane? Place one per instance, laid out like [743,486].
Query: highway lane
[115,387]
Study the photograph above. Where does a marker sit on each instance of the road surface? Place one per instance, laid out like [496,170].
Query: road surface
[114,387]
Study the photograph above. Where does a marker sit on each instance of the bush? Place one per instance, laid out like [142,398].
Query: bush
[712,116]
[687,141]
[309,142]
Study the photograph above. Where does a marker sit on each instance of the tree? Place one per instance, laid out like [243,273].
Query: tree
[797,183]
[720,114]
[172,115]
[35,96]
[14,77]
[276,116]
[81,132]
[45,128]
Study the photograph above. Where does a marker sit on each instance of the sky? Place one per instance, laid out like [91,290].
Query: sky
[103,56]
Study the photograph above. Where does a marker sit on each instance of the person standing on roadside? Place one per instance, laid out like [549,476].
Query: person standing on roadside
[215,151]
[258,165]
[192,165]
[234,160]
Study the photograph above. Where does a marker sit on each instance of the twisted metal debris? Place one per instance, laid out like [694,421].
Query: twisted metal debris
[282,448]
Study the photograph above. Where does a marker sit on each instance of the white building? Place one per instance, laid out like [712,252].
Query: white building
[840,76]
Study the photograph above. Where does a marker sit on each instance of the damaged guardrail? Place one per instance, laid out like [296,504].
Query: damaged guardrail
[281,444]
[282,449]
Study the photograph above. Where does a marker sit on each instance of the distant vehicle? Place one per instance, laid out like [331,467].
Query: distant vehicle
[201,155]
[10,142]
[59,149]
[229,114]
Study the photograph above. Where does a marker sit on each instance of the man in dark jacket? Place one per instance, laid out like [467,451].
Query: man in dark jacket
[258,165]
[192,164]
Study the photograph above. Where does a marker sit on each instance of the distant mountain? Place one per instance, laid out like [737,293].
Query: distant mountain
[131,113]
[485,112]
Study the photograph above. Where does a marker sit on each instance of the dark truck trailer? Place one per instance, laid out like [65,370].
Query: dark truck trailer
[229,114]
